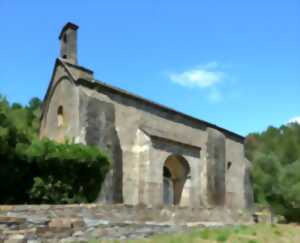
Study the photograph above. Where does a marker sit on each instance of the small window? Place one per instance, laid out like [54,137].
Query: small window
[65,38]
[229,164]
[65,56]
[60,116]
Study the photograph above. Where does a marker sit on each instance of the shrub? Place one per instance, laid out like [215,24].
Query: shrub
[275,154]
[66,173]
[34,171]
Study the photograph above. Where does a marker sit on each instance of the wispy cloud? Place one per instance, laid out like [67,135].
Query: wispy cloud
[295,119]
[205,77]
[215,96]
[201,76]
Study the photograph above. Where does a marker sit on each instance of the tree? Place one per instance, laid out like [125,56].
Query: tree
[43,171]
[275,154]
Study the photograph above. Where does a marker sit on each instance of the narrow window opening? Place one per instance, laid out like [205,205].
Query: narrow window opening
[229,164]
[60,116]
[65,38]
[65,56]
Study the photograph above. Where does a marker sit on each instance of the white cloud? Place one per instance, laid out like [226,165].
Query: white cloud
[201,76]
[295,119]
[205,77]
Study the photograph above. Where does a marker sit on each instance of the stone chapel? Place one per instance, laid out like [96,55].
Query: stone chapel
[159,156]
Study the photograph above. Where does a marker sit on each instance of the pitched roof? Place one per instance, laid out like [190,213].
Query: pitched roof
[96,83]
[92,83]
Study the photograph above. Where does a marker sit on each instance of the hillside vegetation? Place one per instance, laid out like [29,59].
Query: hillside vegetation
[43,171]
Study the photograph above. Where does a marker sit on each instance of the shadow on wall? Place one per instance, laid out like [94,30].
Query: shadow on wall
[216,167]
[248,191]
[100,132]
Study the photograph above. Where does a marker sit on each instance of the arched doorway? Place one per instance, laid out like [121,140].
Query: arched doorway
[176,170]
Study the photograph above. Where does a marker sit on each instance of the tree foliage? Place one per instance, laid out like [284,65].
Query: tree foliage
[275,154]
[43,171]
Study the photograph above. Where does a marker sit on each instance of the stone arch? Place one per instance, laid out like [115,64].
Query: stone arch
[176,171]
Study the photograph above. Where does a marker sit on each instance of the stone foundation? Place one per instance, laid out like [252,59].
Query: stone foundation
[67,223]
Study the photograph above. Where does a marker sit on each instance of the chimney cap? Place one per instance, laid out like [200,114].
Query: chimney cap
[68,25]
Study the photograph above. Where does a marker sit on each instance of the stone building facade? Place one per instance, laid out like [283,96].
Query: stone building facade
[159,155]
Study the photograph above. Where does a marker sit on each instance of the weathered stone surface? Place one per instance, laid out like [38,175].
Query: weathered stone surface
[11,220]
[216,167]
[66,223]
[6,208]
[37,220]
[16,238]
[53,222]
[100,131]
[78,234]
[68,40]
[25,232]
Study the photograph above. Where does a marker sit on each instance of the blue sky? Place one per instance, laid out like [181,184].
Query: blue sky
[233,63]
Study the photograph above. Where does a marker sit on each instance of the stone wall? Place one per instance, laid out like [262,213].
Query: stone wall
[64,94]
[69,223]
[139,136]
[147,136]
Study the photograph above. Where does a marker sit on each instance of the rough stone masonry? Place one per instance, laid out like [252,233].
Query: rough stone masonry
[159,156]
[83,222]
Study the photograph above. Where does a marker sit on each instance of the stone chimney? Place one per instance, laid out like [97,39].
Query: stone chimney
[68,43]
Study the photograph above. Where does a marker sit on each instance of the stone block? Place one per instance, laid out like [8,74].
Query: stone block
[66,223]
[11,220]
[7,208]
[17,238]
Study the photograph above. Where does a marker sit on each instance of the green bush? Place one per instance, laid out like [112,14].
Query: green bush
[34,171]
[67,173]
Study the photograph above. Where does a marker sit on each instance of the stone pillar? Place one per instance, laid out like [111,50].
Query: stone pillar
[186,193]
[168,192]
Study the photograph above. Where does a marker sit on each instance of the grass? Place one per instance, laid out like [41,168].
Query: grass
[259,233]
